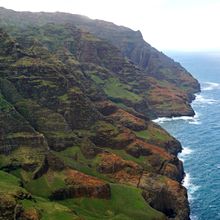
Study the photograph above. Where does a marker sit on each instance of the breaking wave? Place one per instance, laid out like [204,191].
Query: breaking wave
[208,86]
[185,152]
[192,188]
[189,119]
[202,100]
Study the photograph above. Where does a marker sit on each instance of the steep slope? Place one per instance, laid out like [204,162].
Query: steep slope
[75,136]
[171,87]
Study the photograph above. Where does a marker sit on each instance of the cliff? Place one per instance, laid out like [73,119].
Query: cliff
[171,87]
[76,139]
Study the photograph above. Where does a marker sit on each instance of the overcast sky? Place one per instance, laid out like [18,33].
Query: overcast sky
[165,24]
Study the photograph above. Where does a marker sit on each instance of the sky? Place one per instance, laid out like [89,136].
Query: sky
[187,25]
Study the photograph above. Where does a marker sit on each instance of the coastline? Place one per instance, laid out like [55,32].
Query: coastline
[191,119]
[100,133]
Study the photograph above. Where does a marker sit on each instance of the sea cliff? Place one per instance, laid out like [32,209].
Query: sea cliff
[77,140]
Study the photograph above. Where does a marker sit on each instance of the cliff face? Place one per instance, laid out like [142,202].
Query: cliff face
[76,134]
[171,87]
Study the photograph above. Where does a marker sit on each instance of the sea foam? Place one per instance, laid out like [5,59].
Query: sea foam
[192,188]
[208,86]
[185,152]
[202,100]
[190,119]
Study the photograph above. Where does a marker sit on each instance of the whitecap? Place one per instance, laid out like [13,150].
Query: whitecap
[192,188]
[191,119]
[165,119]
[186,180]
[208,86]
[195,122]
[193,217]
[161,120]
[202,100]
[185,152]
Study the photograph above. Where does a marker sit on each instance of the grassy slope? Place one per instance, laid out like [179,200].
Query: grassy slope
[50,210]
[115,89]
[126,204]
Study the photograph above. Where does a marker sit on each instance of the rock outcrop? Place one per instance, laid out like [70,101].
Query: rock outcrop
[81,185]
[165,195]
[123,171]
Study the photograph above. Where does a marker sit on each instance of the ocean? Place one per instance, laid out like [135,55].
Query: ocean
[200,135]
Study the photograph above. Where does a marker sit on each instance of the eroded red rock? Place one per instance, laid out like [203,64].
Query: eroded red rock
[123,171]
[82,185]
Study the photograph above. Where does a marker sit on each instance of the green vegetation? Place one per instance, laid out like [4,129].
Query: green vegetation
[89,37]
[8,180]
[4,105]
[61,134]
[97,79]
[123,106]
[115,89]
[64,98]
[25,62]
[21,134]
[89,208]
[23,156]
[105,128]
[44,83]
[49,210]
[9,91]
[46,184]
[74,158]
[10,185]
[142,160]
[126,203]
[154,134]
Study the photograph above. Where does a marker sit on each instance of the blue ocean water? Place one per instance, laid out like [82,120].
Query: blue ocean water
[200,136]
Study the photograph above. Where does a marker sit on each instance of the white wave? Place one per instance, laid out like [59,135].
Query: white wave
[192,188]
[193,217]
[196,122]
[186,180]
[202,100]
[191,119]
[185,152]
[162,120]
[208,86]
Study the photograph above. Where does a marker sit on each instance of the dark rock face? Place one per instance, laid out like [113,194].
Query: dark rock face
[165,195]
[173,169]
[7,207]
[101,192]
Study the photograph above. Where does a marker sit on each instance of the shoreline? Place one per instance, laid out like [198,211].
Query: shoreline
[186,183]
